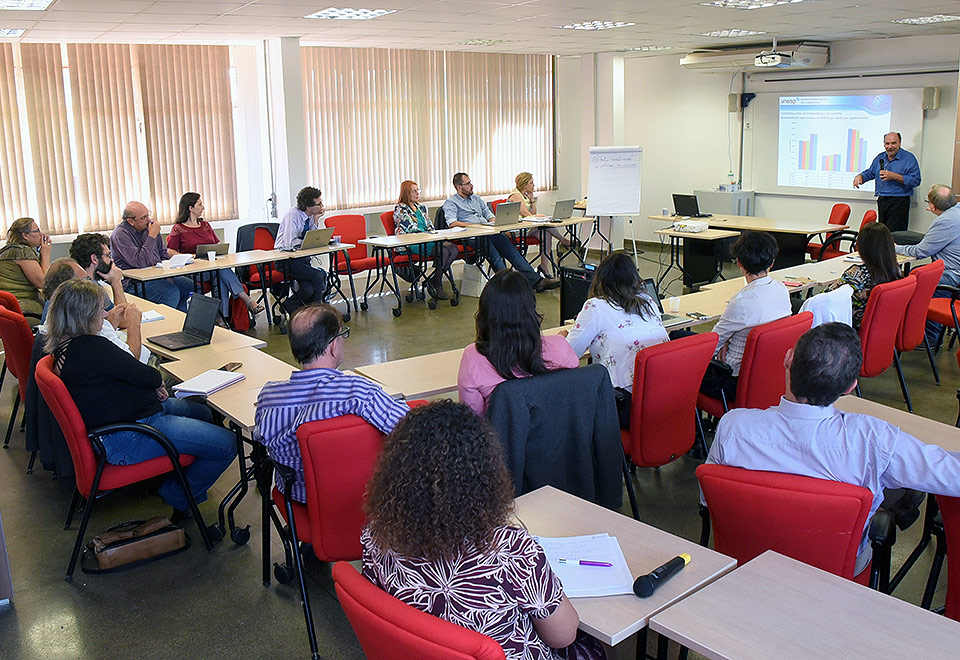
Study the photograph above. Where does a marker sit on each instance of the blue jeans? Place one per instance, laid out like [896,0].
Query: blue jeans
[312,282]
[172,292]
[499,247]
[187,425]
[230,287]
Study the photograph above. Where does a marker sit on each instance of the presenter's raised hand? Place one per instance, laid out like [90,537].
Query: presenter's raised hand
[857,181]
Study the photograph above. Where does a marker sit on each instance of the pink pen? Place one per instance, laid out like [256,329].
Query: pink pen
[587,562]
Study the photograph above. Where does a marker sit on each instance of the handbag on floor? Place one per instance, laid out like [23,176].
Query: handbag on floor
[133,542]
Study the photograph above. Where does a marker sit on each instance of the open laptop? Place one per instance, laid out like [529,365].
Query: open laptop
[562,210]
[651,289]
[317,238]
[220,248]
[687,205]
[508,213]
[197,327]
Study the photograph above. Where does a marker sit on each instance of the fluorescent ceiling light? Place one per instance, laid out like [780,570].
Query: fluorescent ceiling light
[733,32]
[927,20]
[481,42]
[747,4]
[11,32]
[347,14]
[25,5]
[650,49]
[594,25]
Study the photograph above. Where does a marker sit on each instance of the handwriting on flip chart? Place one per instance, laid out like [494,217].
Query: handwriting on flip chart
[614,181]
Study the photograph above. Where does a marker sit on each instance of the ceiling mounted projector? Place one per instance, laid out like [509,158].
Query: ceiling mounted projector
[772,58]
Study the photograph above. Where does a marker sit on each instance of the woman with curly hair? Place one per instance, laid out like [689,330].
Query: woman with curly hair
[440,538]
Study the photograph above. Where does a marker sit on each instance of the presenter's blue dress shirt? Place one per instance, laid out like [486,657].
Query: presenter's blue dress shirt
[905,164]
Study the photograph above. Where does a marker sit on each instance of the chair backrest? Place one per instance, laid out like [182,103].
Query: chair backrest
[74,429]
[666,380]
[868,217]
[495,203]
[351,228]
[338,459]
[816,521]
[388,628]
[9,301]
[881,322]
[389,224]
[440,218]
[950,512]
[252,236]
[761,382]
[17,345]
[839,214]
[915,316]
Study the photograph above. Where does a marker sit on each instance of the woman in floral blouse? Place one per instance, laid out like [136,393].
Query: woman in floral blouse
[410,217]
[875,246]
[442,538]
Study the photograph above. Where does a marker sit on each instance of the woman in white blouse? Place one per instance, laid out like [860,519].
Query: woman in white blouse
[617,321]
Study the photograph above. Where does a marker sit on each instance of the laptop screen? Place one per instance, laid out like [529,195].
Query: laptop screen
[201,316]
[685,204]
[651,290]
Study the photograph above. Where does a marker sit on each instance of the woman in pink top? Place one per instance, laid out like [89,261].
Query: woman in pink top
[509,343]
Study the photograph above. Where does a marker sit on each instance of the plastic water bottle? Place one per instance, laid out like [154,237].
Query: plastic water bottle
[189,298]
[731,182]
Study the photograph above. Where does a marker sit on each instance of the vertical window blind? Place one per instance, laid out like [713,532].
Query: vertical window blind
[13,188]
[375,117]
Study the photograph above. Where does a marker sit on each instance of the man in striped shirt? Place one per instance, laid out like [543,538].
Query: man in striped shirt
[318,391]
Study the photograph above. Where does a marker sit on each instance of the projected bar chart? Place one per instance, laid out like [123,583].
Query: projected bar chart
[808,153]
[831,163]
[856,151]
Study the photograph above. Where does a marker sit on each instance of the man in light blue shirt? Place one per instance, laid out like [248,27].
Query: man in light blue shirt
[897,173]
[306,215]
[465,209]
[806,435]
[942,241]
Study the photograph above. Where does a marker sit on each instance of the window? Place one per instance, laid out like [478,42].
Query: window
[13,188]
[375,117]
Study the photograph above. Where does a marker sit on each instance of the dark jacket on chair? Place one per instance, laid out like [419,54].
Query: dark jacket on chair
[561,429]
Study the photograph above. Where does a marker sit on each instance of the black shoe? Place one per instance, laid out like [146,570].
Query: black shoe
[906,510]
[546,284]
[178,518]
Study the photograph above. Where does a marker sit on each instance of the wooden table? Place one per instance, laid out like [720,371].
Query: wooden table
[777,607]
[698,265]
[572,226]
[611,619]
[924,429]
[417,377]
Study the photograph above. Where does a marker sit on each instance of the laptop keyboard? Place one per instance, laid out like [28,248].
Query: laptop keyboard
[181,339]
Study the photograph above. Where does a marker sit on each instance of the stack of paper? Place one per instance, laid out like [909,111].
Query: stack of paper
[151,315]
[206,383]
[855,258]
[579,580]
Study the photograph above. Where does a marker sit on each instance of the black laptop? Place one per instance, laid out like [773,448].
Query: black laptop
[197,327]
[651,289]
[686,205]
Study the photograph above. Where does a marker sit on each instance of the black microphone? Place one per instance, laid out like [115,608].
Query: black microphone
[881,163]
[645,585]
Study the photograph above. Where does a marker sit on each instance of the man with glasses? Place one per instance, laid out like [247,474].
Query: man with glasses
[92,252]
[318,391]
[465,209]
[136,243]
[942,241]
[897,173]
[305,216]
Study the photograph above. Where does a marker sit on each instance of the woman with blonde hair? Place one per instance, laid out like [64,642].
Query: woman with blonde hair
[524,193]
[24,261]
[411,217]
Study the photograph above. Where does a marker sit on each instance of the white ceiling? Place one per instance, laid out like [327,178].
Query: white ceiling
[524,26]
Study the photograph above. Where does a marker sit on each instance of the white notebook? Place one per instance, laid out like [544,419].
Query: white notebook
[207,383]
[151,315]
[581,581]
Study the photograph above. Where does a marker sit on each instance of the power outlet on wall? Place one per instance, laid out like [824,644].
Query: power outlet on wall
[747,125]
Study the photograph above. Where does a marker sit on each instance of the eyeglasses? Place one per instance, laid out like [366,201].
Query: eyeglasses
[343,333]
[32,231]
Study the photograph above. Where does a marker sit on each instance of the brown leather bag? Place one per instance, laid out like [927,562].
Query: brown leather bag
[135,541]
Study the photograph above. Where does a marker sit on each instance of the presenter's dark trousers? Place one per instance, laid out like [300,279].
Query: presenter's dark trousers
[312,281]
[894,212]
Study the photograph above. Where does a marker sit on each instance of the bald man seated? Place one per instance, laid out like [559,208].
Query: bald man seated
[136,243]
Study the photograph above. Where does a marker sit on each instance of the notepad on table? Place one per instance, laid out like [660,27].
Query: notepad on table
[584,581]
[151,315]
[454,230]
[855,258]
[207,383]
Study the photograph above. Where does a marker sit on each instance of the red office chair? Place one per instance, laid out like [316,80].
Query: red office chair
[868,217]
[18,346]
[911,333]
[666,381]
[261,236]
[881,322]
[944,311]
[950,512]
[761,382]
[833,247]
[338,459]
[352,228]
[93,474]
[389,628]
[839,215]
[9,301]
[816,521]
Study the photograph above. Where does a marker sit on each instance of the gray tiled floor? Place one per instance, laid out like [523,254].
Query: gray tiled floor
[214,605]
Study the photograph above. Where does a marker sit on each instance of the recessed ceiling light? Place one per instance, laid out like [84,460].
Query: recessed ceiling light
[927,20]
[650,49]
[347,14]
[11,32]
[481,42]
[733,32]
[25,5]
[747,4]
[594,25]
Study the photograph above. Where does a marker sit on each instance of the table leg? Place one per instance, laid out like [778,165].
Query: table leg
[333,278]
[674,260]
[239,535]
[396,285]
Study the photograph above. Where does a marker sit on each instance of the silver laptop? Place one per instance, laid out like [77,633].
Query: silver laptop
[317,238]
[651,288]
[220,248]
[508,213]
[562,210]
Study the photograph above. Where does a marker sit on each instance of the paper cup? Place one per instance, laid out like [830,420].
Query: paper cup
[674,303]
[212,255]
[336,240]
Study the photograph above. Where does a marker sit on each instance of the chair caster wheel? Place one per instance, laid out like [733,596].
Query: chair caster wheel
[215,532]
[454,302]
[397,312]
[282,573]
[240,535]
[432,304]
[346,318]
[364,306]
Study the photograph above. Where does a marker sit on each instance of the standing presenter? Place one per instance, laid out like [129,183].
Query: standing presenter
[897,173]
